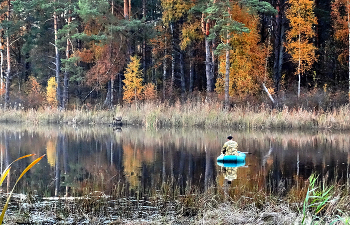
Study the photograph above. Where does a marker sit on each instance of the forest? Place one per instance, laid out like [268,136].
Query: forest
[69,53]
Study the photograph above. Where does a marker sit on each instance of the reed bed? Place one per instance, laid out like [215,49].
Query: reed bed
[313,203]
[204,115]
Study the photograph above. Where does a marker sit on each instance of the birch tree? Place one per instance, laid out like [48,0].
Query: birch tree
[300,36]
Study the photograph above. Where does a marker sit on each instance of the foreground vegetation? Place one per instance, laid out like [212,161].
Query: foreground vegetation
[312,203]
[191,114]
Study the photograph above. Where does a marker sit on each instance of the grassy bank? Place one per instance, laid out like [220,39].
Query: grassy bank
[313,203]
[191,115]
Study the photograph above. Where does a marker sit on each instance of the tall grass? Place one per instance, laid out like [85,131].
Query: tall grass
[322,204]
[192,114]
[239,117]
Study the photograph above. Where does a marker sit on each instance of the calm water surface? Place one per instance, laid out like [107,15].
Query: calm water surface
[81,160]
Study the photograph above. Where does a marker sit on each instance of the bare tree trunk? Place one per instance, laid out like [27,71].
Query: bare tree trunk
[120,90]
[1,63]
[66,73]
[191,72]
[8,72]
[164,69]
[213,65]
[278,44]
[182,75]
[208,65]
[57,57]
[57,166]
[299,64]
[266,62]
[173,55]
[108,96]
[126,9]
[227,78]
[112,91]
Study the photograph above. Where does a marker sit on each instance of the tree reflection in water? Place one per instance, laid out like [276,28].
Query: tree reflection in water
[138,162]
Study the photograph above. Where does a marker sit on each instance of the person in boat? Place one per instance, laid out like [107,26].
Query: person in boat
[230,147]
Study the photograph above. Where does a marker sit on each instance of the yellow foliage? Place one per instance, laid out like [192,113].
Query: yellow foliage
[173,10]
[51,152]
[190,32]
[51,92]
[299,38]
[133,81]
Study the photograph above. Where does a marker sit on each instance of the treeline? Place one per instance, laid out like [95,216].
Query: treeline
[66,53]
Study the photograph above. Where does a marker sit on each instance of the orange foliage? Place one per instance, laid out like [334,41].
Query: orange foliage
[150,92]
[160,45]
[35,93]
[2,90]
[247,59]
[299,38]
[85,55]
[110,60]
[339,15]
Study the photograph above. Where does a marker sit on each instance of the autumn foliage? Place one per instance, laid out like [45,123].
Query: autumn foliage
[51,92]
[150,92]
[247,58]
[35,95]
[109,61]
[133,81]
[299,38]
[340,9]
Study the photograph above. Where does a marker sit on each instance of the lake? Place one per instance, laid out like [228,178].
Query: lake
[131,161]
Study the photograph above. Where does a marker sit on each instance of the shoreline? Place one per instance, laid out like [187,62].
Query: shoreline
[153,115]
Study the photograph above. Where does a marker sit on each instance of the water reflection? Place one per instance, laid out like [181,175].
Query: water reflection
[139,162]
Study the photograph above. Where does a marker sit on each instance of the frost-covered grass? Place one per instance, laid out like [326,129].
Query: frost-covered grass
[217,205]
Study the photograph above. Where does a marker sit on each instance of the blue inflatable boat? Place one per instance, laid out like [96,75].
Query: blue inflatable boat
[232,158]
[231,164]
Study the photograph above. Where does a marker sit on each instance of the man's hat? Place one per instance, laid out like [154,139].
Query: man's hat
[229,137]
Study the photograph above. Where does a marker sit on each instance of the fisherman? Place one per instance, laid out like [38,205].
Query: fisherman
[230,147]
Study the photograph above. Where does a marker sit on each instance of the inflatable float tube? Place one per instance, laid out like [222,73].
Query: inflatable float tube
[231,158]
[231,164]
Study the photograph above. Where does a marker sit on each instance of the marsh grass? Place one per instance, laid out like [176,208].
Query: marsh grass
[172,204]
[203,115]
